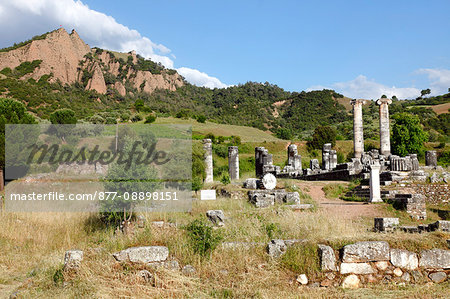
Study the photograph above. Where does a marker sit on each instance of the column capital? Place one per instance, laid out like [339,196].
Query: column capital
[358,101]
[384,101]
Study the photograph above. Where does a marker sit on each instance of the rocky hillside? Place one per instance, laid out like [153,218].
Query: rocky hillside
[68,59]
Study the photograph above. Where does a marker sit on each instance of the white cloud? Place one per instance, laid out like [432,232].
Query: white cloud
[364,88]
[26,18]
[439,80]
[200,79]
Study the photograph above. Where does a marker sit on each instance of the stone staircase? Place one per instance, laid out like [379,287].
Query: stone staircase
[363,190]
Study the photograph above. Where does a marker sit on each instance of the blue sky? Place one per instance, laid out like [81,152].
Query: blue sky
[359,48]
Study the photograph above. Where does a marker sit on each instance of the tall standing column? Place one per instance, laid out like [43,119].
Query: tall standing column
[385,138]
[358,135]
[233,162]
[207,146]
[375,191]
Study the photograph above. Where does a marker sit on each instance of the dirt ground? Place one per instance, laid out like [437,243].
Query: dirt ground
[346,209]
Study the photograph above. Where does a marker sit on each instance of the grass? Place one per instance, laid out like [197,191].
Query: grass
[247,134]
[334,190]
[32,249]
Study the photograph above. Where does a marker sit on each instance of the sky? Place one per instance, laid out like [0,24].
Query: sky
[362,49]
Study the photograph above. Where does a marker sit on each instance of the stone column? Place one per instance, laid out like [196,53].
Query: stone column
[207,146]
[294,159]
[326,156]
[358,136]
[375,191]
[333,159]
[430,158]
[259,161]
[292,152]
[385,137]
[233,162]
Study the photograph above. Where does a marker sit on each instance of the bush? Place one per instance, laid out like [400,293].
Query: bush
[201,119]
[220,150]
[203,239]
[150,119]
[225,179]
[183,113]
[136,118]
[444,159]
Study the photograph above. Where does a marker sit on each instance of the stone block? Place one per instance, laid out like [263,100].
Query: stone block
[142,254]
[385,224]
[251,183]
[72,259]
[217,217]
[261,199]
[404,259]
[366,251]
[327,258]
[356,268]
[440,225]
[435,259]
[292,198]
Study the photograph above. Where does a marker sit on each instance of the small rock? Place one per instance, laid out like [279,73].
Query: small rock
[276,248]
[330,275]
[438,277]
[217,217]
[72,259]
[314,285]
[302,279]
[158,223]
[141,221]
[398,272]
[351,282]
[383,265]
[147,276]
[406,277]
[417,275]
[326,283]
[371,279]
[188,270]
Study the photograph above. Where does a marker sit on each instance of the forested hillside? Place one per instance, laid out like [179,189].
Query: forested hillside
[107,86]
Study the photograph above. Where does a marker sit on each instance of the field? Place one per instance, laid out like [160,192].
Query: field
[32,245]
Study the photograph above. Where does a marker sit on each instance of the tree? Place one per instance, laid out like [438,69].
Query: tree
[424,92]
[408,136]
[322,135]
[11,112]
[63,116]
[284,133]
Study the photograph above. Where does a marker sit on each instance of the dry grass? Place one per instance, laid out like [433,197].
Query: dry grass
[32,247]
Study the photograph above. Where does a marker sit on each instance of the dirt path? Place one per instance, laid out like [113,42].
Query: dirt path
[346,209]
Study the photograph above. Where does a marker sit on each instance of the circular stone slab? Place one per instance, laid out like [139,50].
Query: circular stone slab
[269,181]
